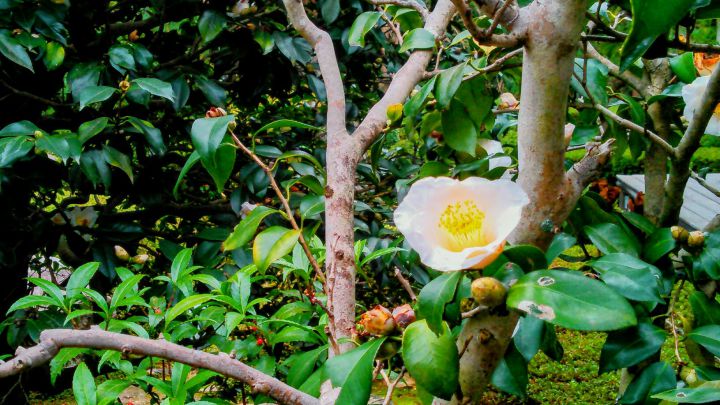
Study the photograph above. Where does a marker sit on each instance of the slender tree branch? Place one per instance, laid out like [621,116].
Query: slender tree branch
[695,47]
[691,140]
[285,203]
[405,284]
[404,3]
[635,127]
[639,84]
[33,97]
[497,16]
[483,37]
[391,387]
[52,340]
[705,183]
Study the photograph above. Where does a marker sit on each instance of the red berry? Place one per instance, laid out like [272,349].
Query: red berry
[260,341]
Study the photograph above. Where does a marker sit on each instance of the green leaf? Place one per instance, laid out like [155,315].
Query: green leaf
[434,296]
[683,66]
[245,230]
[610,238]
[118,159]
[511,373]
[415,103]
[80,278]
[650,20]
[19,128]
[213,145]
[639,221]
[12,149]
[708,261]
[11,49]
[33,301]
[95,167]
[50,288]
[57,364]
[627,347]
[560,243]
[121,58]
[655,378]
[185,305]
[156,87]
[84,386]
[418,38]
[596,78]
[180,263]
[152,135]
[459,129]
[54,55]
[212,91]
[94,94]
[303,365]
[124,289]
[285,123]
[630,276]
[447,84]
[89,129]
[707,336]
[361,26]
[705,311]
[571,300]
[352,371]
[109,391]
[211,24]
[192,159]
[64,146]
[704,394]
[528,257]
[272,244]
[330,10]
[660,243]
[431,359]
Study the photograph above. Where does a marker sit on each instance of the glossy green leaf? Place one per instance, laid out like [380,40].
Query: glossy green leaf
[94,94]
[152,135]
[212,144]
[19,128]
[571,300]
[212,91]
[528,257]
[361,26]
[33,301]
[560,243]
[245,230]
[11,49]
[127,287]
[118,159]
[459,130]
[610,238]
[595,77]
[421,350]
[80,278]
[707,336]
[285,123]
[121,58]
[434,296]
[639,222]
[656,378]
[61,359]
[185,305]
[109,391]
[352,371]
[192,159]
[54,55]
[156,87]
[89,129]
[650,20]
[660,243]
[682,65]
[272,244]
[630,276]
[12,149]
[447,84]
[627,347]
[705,311]
[511,373]
[415,103]
[418,38]
[180,263]
[211,24]
[330,10]
[704,394]
[708,261]
[64,146]
[303,365]
[83,385]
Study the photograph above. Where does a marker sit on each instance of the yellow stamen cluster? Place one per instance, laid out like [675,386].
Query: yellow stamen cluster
[461,226]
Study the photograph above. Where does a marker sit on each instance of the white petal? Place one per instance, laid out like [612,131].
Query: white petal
[493,147]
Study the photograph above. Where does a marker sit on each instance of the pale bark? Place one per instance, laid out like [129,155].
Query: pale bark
[52,340]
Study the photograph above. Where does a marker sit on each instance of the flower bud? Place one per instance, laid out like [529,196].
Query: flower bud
[395,112]
[121,253]
[488,291]
[232,125]
[689,375]
[508,100]
[378,321]
[403,316]
[140,259]
[133,36]
[215,112]
[696,239]
[37,134]
[679,233]
[124,85]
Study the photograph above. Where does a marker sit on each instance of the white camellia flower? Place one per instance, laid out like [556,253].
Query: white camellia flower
[493,147]
[692,95]
[456,225]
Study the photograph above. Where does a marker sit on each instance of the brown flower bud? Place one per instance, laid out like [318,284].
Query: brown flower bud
[679,233]
[488,291]
[508,100]
[124,85]
[121,253]
[696,239]
[133,36]
[403,316]
[378,321]
[215,112]
[140,259]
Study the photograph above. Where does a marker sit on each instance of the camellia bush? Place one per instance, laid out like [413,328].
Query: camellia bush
[221,201]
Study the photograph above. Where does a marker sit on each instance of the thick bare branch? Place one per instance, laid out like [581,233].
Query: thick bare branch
[404,3]
[404,81]
[486,37]
[327,59]
[52,340]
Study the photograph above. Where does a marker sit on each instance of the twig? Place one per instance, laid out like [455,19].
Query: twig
[378,368]
[635,127]
[285,203]
[496,18]
[497,65]
[404,3]
[52,340]
[499,40]
[466,344]
[392,25]
[391,388]
[705,184]
[473,312]
[671,310]
[31,96]
[604,27]
[405,284]
[695,47]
